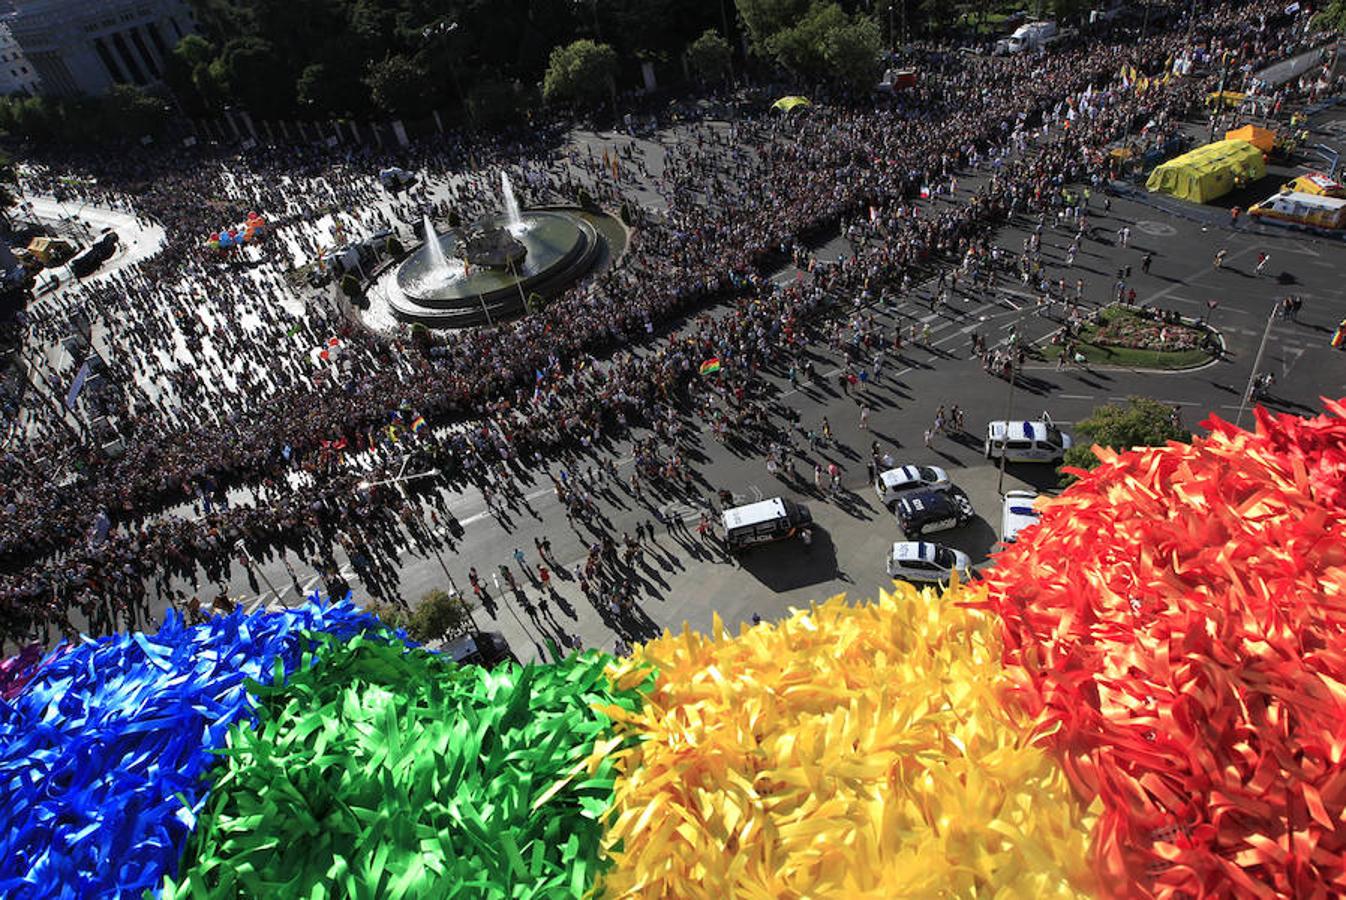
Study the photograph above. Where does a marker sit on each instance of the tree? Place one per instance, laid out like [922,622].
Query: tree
[766,18]
[1142,422]
[709,56]
[496,103]
[1332,16]
[399,87]
[828,43]
[581,71]
[440,615]
[252,70]
[852,52]
[132,111]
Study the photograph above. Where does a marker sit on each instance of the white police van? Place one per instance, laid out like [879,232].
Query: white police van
[764,521]
[1022,441]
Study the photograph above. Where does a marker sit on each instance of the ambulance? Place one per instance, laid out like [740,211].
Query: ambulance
[1317,184]
[1306,210]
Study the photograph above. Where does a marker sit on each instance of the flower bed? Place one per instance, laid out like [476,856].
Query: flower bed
[1130,329]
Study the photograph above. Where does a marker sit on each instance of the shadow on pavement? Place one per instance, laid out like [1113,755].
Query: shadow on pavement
[787,565]
[976,539]
[1041,477]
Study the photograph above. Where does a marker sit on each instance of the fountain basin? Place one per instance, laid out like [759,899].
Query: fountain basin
[557,247]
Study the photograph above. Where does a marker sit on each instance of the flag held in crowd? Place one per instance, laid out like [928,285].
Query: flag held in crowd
[710,366]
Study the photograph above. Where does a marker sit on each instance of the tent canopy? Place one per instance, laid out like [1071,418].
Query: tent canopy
[1260,138]
[1208,172]
[785,104]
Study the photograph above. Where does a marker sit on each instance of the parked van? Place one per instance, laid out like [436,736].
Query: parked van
[765,521]
[1295,208]
[1018,513]
[1021,441]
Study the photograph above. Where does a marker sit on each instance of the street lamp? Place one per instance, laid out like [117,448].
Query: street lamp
[1009,409]
[1257,363]
[399,481]
[243,548]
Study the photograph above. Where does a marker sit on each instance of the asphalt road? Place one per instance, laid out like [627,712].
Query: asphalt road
[682,580]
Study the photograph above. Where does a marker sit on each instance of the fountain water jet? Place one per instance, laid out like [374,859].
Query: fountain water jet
[438,260]
[513,218]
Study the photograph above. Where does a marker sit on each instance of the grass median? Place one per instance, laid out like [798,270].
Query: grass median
[1096,342]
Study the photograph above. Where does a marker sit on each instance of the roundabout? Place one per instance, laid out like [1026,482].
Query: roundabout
[1146,339]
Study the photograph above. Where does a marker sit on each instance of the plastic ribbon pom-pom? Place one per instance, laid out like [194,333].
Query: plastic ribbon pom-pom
[383,772]
[1176,622]
[848,751]
[103,751]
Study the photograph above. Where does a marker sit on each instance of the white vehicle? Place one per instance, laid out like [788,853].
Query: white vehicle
[1021,441]
[1027,37]
[925,563]
[764,521]
[1018,513]
[396,178]
[894,483]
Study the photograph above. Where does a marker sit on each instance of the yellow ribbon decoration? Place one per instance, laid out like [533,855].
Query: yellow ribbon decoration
[848,750]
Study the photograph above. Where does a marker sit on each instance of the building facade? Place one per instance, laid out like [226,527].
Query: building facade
[17,75]
[87,46]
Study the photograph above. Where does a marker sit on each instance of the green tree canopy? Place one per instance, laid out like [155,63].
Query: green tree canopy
[440,615]
[828,43]
[252,70]
[766,18]
[399,87]
[1332,15]
[581,72]
[1142,422]
[852,52]
[709,56]
[132,111]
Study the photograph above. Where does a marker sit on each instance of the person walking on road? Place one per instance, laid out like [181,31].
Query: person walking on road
[1219,257]
[1262,260]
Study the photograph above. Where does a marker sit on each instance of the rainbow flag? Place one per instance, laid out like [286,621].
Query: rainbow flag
[417,424]
[710,366]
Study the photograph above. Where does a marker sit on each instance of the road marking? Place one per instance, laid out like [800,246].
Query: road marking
[1155,229]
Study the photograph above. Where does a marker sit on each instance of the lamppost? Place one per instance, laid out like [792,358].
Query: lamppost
[399,481]
[1257,362]
[243,548]
[1009,410]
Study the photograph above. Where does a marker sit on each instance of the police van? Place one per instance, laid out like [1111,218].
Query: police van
[764,521]
[1021,441]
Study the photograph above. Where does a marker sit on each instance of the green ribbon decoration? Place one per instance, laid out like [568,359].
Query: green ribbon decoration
[391,772]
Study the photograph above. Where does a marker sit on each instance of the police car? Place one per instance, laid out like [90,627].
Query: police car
[927,511]
[1018,514]
[894,483]
[925,563]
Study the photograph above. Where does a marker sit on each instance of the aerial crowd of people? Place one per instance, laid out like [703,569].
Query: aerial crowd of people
[224,372]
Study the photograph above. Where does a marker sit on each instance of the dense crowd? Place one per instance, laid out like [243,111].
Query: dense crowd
[216,363]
